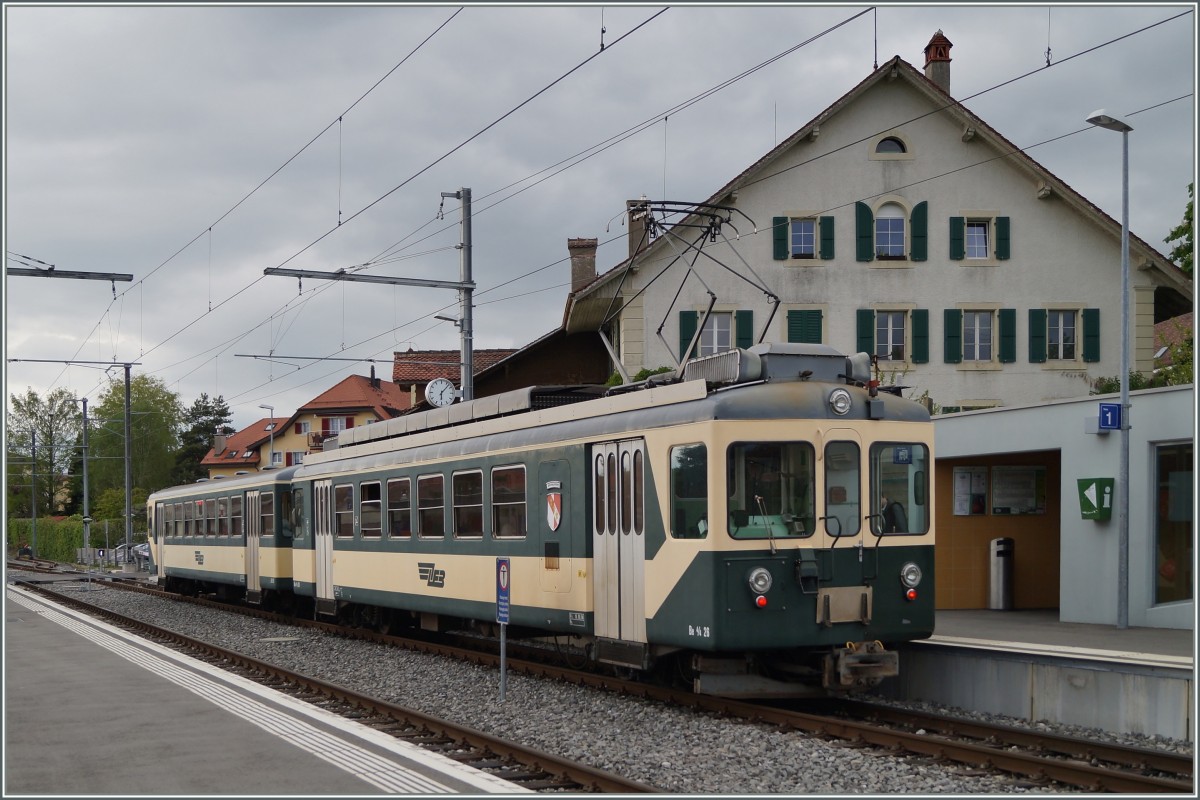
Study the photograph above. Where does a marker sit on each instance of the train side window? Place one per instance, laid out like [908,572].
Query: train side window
[370,512]
[196,518]
[626,492]
[343,510]
[297,513]
[287,514]
[639,502]
[399,508]
[223,517]
[468,504]
[689,491]
[210,511]
[168,519]
[843,515]
[179,519]
[266,510]
[599,493]
[508,501]
[610,470]
[235,515]
[431,506]
[189,519]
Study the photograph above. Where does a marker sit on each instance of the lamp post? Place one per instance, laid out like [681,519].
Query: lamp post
[271,410]
[1102,120]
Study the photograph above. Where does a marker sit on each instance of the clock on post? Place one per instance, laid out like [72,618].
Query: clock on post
[440,392]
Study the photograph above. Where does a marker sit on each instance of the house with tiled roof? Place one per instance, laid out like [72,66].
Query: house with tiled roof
[1170,334]
[284,441]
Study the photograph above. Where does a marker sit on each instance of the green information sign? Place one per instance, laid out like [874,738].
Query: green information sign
[1096,498]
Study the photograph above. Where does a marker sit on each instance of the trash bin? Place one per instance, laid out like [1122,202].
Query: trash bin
[1000,585]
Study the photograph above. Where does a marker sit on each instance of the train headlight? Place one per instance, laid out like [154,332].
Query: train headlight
[839,401]
[760,580]
[910,575]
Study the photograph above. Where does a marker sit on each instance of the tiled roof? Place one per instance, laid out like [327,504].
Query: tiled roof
[358,392]
[422,366]
[248,439]
[1171,332]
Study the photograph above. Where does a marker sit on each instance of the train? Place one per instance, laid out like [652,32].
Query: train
[756,523]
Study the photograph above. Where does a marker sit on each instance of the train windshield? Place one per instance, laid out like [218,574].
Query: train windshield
[770,489]
[899,473]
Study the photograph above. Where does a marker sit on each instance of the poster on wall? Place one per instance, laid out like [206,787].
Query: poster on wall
[1018,490]
[970,491]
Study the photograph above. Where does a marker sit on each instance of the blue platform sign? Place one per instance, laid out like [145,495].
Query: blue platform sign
[503,584]
[1110,416]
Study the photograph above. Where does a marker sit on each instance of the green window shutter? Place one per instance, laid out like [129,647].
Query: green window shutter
[920,231]
[1091,334]
[1002,238]
[953,336]
[826,224]
[743,329]
[1037,336]
[804,327]
[864,234]
[687,329]
[958,242]
[780,228]
[920,336]
[1008,335]
[865,327]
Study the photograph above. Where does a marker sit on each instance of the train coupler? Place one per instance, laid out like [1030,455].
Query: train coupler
[860,665]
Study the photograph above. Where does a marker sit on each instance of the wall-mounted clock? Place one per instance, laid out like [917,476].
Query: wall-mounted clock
[440,392]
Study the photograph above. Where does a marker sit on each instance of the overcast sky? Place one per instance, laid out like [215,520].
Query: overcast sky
[135,138]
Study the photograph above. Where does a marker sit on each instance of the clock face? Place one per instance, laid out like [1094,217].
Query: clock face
[440,392]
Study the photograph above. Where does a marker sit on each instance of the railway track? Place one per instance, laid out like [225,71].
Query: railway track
[1035,756]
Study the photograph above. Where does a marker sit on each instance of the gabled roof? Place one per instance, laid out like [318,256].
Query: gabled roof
[1172,332]
[247,440]
[422,366]
[586,307]
[357,393]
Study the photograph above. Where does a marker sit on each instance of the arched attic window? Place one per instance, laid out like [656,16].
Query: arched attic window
[890,144]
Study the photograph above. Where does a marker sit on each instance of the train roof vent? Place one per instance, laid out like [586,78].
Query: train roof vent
[732,366]
[775,361]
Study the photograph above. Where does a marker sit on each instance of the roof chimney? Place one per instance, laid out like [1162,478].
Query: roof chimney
[937,61]
[583,262]
[638,211]
[218,444]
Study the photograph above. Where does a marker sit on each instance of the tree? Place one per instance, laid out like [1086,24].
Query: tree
[42,437]
[155,416]
[205,418]
[1181,252]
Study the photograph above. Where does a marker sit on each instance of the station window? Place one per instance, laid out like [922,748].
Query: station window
[399,508]
[689,491]
[508,501]
[1175,531]
[468,504]
[343,510]
[370,512]
[266,513]
[431,506]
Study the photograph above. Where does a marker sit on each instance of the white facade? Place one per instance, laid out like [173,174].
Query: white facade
[1089,548]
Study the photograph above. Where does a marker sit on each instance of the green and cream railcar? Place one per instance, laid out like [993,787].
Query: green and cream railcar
[229,536]
[738,525]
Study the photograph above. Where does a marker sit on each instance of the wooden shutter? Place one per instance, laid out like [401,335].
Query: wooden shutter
[864,234]
[780,228]
[920,336]
[865,328]
[1008,335]
[952,336]
[743,334]
[349,422]
[298,430]
[325,425]
[1037,335]
[826,224]
[287,459]
[1002,247]
[1091,334]
[687,329]
[958,240]
[920,232]
[804,327]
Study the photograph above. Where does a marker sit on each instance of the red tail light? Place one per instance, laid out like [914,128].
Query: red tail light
[761,601]
[911,594]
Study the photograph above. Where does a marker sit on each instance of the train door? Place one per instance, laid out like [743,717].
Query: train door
[618,539]
[253,522]
[555,479]
[323,536]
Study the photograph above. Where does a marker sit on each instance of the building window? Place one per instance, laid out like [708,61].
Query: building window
[890,144]
[977,239]
[370,512]
[343,510]
[1060,335]
[508,501]
[804,238]
[303,427]
[333,424]
[468,504]
[889,335]
[977,336]
[399,508]
[431,505]
[889,232]
[276,458]
[1175,484]
[717,336]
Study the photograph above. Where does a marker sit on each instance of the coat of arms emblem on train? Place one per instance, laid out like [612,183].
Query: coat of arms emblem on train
[554,510]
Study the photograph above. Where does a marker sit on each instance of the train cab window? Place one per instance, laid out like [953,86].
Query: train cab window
[343,510]
[266,510]
[508,501]
[370,512]
[235,515]
[223,517]
[843,515]
[689,491]
[468,504]
[399,508]
[431,506]
[898,487]
[770,489]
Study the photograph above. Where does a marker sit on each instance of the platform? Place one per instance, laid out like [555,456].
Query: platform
[92,710]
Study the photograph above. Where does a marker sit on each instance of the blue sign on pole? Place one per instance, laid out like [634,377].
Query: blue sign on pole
[1110,416]
[503,583]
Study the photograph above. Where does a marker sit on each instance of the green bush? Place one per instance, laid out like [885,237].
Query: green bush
[58,540]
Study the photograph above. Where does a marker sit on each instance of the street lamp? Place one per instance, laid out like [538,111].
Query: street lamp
[1102,120]
[271,409]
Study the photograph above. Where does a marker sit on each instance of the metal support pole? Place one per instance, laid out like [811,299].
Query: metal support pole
[87,517]
[467,381]
[1123,475]
[33,487]
[128,468]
